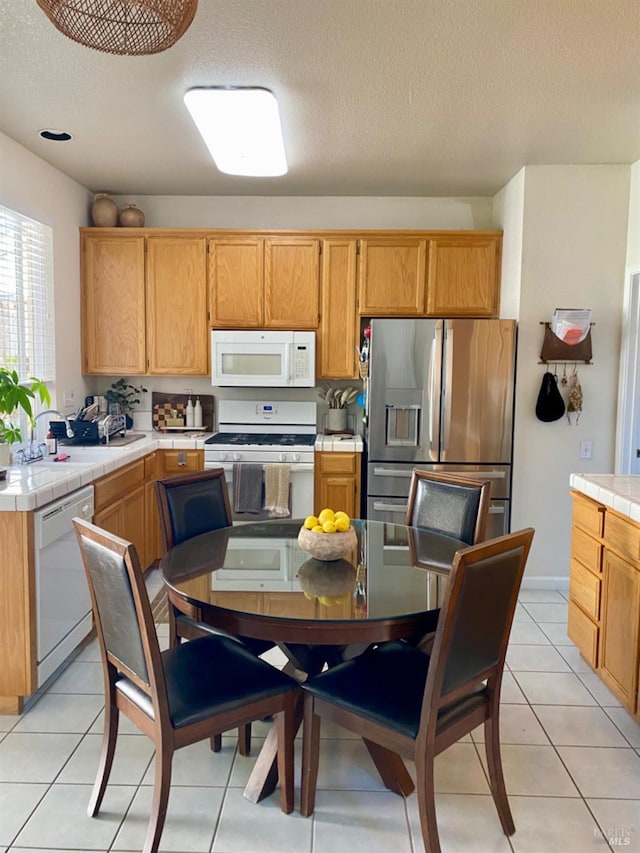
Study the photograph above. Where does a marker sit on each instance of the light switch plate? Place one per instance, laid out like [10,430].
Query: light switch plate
[586,448]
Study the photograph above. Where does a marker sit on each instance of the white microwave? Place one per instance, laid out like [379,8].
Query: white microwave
[259,359]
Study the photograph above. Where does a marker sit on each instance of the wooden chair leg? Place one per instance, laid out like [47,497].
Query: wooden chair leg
[427,803]
[310,757]
[244,739]
[215,742]
[496,776]
[161,785]
[286,727]
[109,736]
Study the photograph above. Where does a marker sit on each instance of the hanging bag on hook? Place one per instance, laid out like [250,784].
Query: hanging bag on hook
[550,405]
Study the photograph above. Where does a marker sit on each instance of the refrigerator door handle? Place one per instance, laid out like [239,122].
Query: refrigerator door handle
[433,393]
[447,388]
[496,510]
[392,472]
[384,507]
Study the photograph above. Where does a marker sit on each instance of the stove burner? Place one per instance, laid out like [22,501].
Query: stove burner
[277,439]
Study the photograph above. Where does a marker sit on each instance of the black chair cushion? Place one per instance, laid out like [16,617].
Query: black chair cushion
[256,647]
[386,685]
[210,675]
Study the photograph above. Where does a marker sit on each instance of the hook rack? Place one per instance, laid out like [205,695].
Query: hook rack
[555,350]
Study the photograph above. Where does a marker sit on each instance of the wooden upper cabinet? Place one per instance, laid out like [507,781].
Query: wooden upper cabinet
[291,282]
[392,276]
[236,282]
[336,338]
[464,276]
[113,304]
[177,323]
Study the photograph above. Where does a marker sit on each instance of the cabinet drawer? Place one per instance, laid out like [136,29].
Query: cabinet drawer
[118,485]
[584,634]
[588,515]
[587,550]
[182,461]
[623,536]
[338,463]
[584,589]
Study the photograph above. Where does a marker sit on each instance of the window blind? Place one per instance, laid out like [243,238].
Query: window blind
[27,342]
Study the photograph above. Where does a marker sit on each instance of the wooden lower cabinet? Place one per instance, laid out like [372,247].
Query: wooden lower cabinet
[337,482]
[172,462]
[293,604]
[604,596]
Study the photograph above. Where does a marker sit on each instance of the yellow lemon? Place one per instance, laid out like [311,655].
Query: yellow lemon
[329,527]
[310,522]
[326,600]
[341,514]
[317,529]
[326,515]
[308,596]
[342,524]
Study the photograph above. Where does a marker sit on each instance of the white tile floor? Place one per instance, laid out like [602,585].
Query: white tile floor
[571,757]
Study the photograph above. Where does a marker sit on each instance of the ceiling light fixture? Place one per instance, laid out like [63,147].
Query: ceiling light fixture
[52,135]
[241,128]
[123,27]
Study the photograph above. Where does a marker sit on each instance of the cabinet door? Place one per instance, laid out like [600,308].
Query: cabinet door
[113,305]
[392,276]
[177,324]
[337,482]
[336,339]
[619,633]
[132,522]
[236,282]
[463,277]
[291,282]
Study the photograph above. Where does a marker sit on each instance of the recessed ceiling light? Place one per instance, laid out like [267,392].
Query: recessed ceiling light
[241,128]
[55,135]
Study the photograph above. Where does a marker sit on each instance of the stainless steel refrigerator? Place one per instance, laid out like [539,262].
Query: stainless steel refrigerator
[440,397]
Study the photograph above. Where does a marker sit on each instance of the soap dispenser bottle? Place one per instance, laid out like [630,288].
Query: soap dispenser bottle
[190,413]
[197,413]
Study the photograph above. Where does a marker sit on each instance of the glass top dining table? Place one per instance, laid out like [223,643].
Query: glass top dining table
[256,580]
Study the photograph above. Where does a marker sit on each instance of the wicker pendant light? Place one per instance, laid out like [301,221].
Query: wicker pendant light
[125,27]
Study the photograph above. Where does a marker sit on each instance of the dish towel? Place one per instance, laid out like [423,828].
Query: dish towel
[276,490]
[247,488]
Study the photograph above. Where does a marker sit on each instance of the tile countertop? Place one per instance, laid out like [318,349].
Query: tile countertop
[29,487]
[619,493]
[331,443]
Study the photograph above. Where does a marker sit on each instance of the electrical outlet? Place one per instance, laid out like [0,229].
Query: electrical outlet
[586,448]
[68,398]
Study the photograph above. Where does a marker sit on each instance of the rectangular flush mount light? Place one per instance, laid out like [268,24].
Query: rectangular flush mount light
[241,128]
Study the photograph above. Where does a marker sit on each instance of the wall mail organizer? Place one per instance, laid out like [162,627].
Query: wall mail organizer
[554,349]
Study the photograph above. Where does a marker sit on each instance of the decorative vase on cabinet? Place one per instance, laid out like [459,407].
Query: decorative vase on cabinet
[131,217]
[104,211]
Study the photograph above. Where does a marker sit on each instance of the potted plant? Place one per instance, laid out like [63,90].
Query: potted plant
[338,400]
[14,397]
[126,396]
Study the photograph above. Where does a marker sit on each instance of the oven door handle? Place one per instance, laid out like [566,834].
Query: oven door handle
[295,467]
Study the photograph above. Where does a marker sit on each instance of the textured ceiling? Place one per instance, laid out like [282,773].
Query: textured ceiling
[377,97]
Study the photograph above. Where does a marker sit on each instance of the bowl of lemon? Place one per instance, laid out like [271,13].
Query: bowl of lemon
[331,582]
[327,536]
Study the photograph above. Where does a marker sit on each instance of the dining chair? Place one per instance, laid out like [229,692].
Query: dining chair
[417,705]
[449,503]
[176,697]
[189,505]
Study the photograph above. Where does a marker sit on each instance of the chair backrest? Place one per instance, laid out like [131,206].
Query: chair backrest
[191,504]
[448,503]
[121,608]
[475,621]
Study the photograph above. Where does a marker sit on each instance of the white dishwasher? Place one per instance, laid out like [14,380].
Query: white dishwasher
[63,604]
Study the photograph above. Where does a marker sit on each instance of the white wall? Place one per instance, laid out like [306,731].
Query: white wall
[32,187]
[508,215]
[573,256]
[633,234]
[312,212]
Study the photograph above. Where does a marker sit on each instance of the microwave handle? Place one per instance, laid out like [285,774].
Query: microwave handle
[287,371]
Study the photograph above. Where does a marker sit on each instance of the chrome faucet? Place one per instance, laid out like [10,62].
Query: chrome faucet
[32,452]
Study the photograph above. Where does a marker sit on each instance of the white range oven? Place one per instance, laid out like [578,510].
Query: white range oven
[257,434]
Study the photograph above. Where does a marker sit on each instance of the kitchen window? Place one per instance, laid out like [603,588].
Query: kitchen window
[27,342]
